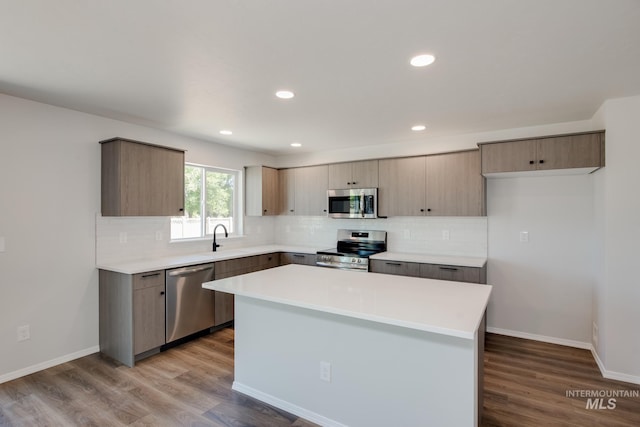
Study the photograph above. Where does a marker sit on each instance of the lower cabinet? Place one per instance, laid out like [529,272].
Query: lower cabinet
[131,314]
[297,258]
[430,271]
[399,268]
[234,267]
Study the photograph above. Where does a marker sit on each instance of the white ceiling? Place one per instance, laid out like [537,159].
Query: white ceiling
[198,66]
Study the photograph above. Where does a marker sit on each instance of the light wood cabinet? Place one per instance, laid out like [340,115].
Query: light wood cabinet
[141,179]
[131,314]
[303,191]
[447,184]
[287,191]
[402,187]
[362,174]
[454,184]
[224,302]
[582,151]
[261,191]
[311,184]
[297,258]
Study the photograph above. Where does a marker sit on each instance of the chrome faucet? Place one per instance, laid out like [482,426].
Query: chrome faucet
[226,234]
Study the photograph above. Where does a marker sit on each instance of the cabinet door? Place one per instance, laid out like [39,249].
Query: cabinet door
[141,180]
[394,267]
[287,191]
[311,184]
[571,151]
[402,187]
[270,201]
[455,186]
[510,156]
[224,308]
[340,176]
[364,174]
[261,196]
[148,311]
[450,272]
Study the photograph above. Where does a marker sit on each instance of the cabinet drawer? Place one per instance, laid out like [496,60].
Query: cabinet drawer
[451,272]
[295,258]
[268,261]
[148,279]
[395,267]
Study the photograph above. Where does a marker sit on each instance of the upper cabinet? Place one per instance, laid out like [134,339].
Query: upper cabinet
[310,188]
[261,191]
[402,187]
[574,153]
[287,191]
[447,184]
[455,186]
[363,174]
[141,179]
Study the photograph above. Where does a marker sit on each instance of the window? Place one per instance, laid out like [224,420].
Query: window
[210,198]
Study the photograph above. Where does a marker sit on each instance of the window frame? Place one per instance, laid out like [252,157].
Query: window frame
[237,214]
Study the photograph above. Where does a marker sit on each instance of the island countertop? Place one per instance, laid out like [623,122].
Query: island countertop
[442,307]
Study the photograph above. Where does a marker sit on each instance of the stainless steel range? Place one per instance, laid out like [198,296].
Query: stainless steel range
[353,249]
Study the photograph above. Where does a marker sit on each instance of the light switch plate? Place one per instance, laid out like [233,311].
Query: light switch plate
[524,236]
[123,237]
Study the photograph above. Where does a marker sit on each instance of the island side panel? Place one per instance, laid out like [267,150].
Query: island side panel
[381,375]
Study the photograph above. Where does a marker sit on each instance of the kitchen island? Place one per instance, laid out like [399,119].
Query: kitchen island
[359,349]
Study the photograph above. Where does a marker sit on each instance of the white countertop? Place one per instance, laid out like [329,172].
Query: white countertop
[460,261]
[144,265]
[442,307]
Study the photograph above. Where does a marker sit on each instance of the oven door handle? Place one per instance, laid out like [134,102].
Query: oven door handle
[362,204]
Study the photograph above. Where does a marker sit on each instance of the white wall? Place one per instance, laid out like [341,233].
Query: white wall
[541,289]
[617,294]
[49,198]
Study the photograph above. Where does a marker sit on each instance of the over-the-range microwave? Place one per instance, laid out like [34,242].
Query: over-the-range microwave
[353,203]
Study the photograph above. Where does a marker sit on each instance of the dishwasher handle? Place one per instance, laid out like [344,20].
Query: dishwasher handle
[184,272]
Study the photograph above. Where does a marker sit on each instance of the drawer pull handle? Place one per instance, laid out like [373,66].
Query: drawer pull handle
[397,264]
[298,256]
[144,276]
[449,268]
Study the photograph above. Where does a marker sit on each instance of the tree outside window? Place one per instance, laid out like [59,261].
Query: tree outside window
[209,200]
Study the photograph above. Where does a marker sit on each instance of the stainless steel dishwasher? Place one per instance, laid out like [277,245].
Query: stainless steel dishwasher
[189,307]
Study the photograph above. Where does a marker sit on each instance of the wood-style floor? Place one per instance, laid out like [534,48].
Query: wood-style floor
[190,385]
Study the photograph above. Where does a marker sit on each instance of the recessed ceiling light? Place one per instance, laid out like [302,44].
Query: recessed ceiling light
[285,94]
[418,128]
[226,132]
[296,144]
[422,60]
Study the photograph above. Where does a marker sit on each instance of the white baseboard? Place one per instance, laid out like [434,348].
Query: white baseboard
[612,375]
[570,343]
[543,338]
[286,406]
[48,364]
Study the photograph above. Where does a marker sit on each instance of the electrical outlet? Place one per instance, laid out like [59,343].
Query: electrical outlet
[407,234]
[325,371]
[524,236]
[23,333]
[159,236]
[123,237]
[445,234]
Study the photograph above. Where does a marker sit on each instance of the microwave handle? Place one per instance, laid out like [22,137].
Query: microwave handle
[362,209]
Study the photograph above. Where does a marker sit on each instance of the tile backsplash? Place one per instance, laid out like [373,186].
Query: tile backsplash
[121,239]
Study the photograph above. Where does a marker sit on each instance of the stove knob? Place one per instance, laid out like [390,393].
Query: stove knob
[359,261]
[353,260]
